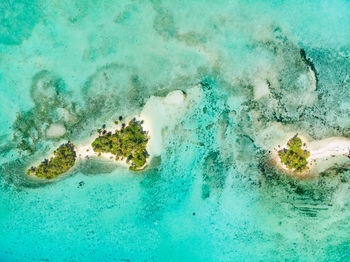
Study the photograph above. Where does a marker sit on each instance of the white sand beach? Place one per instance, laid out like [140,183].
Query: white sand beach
[328,147]
[158,113]
[324,154]
[165,112]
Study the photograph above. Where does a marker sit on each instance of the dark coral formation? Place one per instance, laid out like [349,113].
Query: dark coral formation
[49,95]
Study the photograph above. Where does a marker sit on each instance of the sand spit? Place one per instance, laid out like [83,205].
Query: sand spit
[328,147]
[324,154]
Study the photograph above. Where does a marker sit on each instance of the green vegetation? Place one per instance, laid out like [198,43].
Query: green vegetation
[63,159]
[129,142]
[294,157]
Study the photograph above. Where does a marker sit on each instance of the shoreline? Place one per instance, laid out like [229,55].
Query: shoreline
[324,154]
[276,160]
[157,114]
[84,149]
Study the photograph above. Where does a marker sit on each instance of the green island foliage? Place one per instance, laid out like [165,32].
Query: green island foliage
[129,142]
[63,159]
[294,157]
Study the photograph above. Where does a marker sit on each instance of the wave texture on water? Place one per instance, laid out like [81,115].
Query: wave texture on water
[262,72]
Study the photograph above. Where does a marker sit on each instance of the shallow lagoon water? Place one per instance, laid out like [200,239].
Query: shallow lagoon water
[211,194]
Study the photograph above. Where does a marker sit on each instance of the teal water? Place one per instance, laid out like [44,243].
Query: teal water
[211,195]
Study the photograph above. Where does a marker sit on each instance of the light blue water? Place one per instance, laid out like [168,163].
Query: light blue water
[211,195]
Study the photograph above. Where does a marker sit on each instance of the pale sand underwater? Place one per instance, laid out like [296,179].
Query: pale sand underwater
[220,86]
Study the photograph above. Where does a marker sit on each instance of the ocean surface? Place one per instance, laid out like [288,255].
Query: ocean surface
[264,68]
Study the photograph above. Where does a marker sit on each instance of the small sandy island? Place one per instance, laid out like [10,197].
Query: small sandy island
[324,154]
[85,150]
[157,114]
[115,141]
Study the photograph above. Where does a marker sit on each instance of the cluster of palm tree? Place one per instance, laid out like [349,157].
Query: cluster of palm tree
[63,159]
[127,143]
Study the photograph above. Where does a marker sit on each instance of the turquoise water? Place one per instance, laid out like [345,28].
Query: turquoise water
[211,195]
